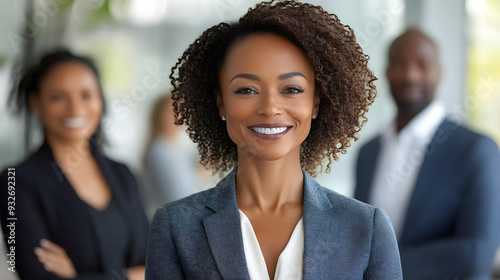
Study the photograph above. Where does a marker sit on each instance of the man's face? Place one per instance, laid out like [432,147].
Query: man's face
[413,72]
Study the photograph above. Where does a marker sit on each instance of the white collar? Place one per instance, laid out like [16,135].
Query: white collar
[423,126]
[290,261]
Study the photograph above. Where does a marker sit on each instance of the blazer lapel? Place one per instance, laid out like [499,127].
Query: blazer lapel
[111,180]
[427,177]
[223,230]
[320,231]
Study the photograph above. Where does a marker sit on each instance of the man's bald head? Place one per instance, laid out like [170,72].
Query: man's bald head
[412,34]
[413,71]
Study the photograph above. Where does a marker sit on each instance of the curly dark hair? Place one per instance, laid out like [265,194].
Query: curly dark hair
[342,78]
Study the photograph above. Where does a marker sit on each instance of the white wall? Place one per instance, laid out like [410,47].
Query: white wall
[445,21]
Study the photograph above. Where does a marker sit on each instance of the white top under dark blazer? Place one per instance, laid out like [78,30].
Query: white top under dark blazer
[200,237]
[290,261]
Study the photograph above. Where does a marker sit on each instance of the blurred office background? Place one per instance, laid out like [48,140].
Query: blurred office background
[134,40]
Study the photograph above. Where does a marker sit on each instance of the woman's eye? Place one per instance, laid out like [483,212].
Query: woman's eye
[57,97]
[245,91]
[86,95]
[293,90]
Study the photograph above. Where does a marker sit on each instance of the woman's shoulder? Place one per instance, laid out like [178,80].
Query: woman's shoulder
[202,203]
[183,215]
[190,206]
[31,159]
[346,209]
[353,214]
[329,198]
[348,203]
[29,169]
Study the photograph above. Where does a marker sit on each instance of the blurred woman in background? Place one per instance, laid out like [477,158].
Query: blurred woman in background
[78,213]
[171,163]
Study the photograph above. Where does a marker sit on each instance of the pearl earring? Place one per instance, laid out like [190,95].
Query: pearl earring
[223,118]
[314,117]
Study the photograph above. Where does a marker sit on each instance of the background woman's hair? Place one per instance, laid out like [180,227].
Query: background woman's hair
[342,78]
[28,81]
[156,121]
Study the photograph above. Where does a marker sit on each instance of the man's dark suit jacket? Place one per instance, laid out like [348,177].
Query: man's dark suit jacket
[46,206]
[452,225]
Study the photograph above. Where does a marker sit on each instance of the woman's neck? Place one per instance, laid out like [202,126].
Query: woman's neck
[69,154]
[269,185]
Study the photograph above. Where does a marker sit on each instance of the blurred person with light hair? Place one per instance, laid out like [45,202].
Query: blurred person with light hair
[171,162]
[438,181]
[78,212]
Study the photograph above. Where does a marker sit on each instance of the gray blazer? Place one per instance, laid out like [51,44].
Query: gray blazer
[199,237]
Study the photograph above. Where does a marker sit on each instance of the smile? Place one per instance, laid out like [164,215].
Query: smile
[270,131]
[75,122]
[265,130]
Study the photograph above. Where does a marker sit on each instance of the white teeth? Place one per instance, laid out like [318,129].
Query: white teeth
[265,130]
[74,122]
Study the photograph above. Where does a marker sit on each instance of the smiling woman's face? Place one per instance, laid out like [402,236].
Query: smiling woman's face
[268,96]
[69,102]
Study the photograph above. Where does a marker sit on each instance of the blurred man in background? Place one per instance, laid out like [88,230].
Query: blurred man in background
[439,182]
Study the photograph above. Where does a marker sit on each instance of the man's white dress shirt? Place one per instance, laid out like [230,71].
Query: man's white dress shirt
[399,162]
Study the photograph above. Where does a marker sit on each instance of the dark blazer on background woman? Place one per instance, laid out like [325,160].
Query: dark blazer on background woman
[48,207]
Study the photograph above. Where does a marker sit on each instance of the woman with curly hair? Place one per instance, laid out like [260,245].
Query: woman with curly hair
[270,97]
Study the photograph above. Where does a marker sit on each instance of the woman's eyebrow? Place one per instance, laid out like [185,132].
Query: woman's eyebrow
[246,76]
[257,78]
[289,75]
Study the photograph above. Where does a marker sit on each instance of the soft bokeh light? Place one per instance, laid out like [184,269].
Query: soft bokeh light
[139,12]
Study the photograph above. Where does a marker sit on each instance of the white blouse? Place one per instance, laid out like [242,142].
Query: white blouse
[290,261]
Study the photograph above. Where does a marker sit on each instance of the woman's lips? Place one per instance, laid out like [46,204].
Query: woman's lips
[78,122]
[270,131]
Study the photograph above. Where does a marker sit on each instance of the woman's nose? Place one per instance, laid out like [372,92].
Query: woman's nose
[270,104]
[75,106]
